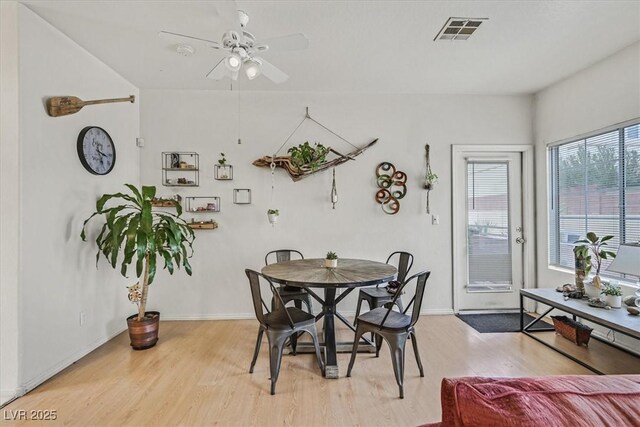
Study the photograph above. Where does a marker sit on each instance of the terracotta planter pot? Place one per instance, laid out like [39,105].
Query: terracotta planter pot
[144,334]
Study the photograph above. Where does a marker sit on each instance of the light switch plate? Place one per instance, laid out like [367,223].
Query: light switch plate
[435,219]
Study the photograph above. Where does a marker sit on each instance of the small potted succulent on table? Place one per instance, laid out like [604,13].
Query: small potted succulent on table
[273,215]
[331,260]
[613,295]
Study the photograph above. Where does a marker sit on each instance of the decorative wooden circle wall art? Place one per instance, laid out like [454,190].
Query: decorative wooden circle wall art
[393,187]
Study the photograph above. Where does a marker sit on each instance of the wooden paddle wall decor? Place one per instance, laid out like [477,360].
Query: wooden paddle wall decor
[64,105]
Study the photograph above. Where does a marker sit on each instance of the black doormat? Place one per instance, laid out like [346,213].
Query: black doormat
[500,322]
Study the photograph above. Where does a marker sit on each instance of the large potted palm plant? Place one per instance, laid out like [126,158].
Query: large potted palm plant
[133,232]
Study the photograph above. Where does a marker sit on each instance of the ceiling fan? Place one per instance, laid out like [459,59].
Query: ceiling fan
[241,48]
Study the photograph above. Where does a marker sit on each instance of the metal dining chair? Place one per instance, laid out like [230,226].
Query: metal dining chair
[289,293]
[378,296]
[279,324]
[394,328]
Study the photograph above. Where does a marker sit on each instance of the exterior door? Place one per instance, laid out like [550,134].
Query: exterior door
[489,230]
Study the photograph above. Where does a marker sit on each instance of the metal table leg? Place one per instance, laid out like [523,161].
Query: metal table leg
[330,359]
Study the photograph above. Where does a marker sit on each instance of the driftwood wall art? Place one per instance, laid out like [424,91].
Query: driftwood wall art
[393,187]
[297,174]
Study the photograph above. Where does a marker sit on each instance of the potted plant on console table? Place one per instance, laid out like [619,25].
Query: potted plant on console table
[593,251]
[142,236]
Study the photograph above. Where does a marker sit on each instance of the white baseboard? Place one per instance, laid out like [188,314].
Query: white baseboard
[231,316]
[252,316]
[9,395]
[44,376]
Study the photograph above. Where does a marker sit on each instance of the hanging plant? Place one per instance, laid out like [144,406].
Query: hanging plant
[430,178]
[273,215]
[222,160]
[307,157]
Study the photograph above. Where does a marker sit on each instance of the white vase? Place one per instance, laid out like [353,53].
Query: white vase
[614,301]
[331,263]
[273,218]
[592,291]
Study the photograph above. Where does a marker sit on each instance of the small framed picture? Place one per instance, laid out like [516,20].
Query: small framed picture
[242,196]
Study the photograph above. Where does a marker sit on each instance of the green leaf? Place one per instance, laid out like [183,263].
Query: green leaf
[582,241]
[605,238]
[168,264]
[152,267]
[592,237]
[148,193]
[146,221]
[105,198]
[136,193]
[139,266]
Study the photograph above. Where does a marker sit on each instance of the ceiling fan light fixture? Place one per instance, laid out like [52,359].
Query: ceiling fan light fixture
[252,69]
[233,62]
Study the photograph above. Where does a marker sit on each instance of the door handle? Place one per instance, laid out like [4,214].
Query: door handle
[520,240]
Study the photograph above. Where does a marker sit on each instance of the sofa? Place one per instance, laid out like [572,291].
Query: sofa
[580,400]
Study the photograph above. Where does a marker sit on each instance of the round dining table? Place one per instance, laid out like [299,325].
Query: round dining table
[348,275]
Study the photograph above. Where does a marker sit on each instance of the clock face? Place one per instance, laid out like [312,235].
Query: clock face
[96,150]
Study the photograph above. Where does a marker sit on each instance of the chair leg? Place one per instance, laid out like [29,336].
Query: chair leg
[257,350]
[314,337]
[276,345]
[307,301]
[414,342]
[396,345]
[356,342]
[360,298]
[399,304]
[378,340]
[294,343]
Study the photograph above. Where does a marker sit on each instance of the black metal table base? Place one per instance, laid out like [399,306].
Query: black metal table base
[525,330]
[329,344]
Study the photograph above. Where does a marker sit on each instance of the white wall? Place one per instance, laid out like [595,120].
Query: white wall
[207,122]
[602,95]
[58,277]
[9,200]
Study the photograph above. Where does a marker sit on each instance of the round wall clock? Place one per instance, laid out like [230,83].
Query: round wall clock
[96,150]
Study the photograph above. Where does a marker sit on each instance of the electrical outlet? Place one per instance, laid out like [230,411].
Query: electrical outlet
[140,142]
[82,318]
[435,219]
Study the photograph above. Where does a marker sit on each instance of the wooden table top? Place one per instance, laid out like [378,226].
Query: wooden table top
[350,273]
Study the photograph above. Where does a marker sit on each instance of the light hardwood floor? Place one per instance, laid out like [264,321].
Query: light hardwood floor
[198,375]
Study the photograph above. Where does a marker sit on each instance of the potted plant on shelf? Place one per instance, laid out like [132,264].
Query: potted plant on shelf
[331,260]
[223,170]
[142,236]
[613,295]
[273,215]
[592,250]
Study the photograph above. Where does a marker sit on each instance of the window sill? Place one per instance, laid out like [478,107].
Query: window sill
[624,283]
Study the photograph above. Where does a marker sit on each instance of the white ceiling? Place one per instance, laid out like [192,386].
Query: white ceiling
[359,46]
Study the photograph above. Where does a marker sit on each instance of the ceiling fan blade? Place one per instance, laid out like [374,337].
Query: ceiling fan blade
[218,72]
[271,72]
[296,41]
[173,37]
[228,14]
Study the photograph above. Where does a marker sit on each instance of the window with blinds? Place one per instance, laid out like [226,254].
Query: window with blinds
[594,186]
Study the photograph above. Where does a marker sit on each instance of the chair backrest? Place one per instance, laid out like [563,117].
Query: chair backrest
[258,302]
[416,301]
[282,255]
[405,262]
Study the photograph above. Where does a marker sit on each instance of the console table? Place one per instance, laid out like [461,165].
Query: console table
[615,319]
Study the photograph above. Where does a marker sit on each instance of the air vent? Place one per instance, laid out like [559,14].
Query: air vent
[459,28]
